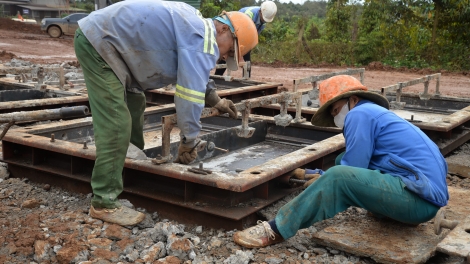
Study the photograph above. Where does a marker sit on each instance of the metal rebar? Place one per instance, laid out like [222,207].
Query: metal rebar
[293,180]
[38,115]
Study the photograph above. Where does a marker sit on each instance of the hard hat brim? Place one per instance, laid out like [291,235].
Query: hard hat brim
[323,117]
[234,62]
[267,20]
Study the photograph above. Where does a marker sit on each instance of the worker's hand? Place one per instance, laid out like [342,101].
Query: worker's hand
[227,106]
[310,179]
[298,174]
[186,154]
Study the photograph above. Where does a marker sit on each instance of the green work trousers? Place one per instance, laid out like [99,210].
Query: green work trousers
[117,120]
[343,186]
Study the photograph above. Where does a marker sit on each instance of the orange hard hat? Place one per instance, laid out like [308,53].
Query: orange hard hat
[246,36]
[337,88]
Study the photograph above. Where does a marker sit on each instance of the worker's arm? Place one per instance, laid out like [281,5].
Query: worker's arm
[192,77]
[359,132]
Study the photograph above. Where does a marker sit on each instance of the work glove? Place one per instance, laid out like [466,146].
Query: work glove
[308,175]
[186,154]
[227,106]
[223,105]
[311,178]
[298,174]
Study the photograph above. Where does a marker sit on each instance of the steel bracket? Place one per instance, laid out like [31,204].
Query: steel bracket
[283,119]
[244,130]
[168,122]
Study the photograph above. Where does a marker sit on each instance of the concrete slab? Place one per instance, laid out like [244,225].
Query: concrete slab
[457,242]
[459,164]
[387,241]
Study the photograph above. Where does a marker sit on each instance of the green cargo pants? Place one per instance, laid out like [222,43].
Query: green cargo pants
[115,122]
[343,186]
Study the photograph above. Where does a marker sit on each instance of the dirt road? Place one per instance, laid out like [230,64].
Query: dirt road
[38,47]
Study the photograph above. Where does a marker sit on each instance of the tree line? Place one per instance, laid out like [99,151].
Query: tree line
[401,33]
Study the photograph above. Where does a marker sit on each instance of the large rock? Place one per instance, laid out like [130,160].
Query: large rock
[179,247]
[41,249]
[125,246]
[115,232]
[168,260]
[240,257]
[102,243]
[100,253]
[31,203]
[4,173]
[72,252]
[153,253]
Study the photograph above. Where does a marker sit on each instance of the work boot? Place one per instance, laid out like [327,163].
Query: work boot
[257,236]
[123,216]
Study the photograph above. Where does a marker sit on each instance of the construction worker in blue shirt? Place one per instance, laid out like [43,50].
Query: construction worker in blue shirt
[260,15]
[390,168]
[132,46]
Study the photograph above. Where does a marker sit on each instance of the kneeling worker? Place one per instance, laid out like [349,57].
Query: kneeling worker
[390,168]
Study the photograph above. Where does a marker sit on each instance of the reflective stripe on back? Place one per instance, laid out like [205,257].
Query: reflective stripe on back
[249,12]
[209,38]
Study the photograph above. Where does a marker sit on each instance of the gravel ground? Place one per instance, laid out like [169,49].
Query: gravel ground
[40,223]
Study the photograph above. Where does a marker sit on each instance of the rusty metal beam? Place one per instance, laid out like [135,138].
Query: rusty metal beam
[235,90]
[316,78]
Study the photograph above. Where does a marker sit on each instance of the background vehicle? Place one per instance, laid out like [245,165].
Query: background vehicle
[57,27]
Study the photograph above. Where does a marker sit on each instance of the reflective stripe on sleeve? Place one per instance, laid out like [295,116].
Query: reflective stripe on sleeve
[190,95]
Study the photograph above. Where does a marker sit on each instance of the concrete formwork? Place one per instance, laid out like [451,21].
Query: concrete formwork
[249,177]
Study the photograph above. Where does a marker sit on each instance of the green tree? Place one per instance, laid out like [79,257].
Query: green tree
[337,21]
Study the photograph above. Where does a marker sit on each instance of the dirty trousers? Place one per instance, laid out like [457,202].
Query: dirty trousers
[343,186]
[115,122]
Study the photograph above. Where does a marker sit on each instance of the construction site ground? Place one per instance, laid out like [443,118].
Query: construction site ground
[40,223]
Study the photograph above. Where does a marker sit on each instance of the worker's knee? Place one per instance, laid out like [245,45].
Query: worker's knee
[339,172]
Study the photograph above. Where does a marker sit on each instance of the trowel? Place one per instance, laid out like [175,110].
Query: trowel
[136,153]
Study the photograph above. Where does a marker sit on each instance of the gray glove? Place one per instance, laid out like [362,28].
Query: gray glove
[186,154]
[223,105]
[211,95]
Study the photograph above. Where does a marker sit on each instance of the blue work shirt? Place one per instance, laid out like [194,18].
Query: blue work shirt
[378,139]
[150,44]
[254,13]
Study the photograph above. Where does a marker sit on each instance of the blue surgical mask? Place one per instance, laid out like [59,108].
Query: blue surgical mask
[341,116]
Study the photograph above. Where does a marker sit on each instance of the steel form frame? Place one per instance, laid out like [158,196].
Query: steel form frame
[180,194]
[64,99]
[253,89]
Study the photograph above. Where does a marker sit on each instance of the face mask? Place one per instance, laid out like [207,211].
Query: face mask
[341,116]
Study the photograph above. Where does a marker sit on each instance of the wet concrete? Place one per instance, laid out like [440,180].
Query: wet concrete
[237,161]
